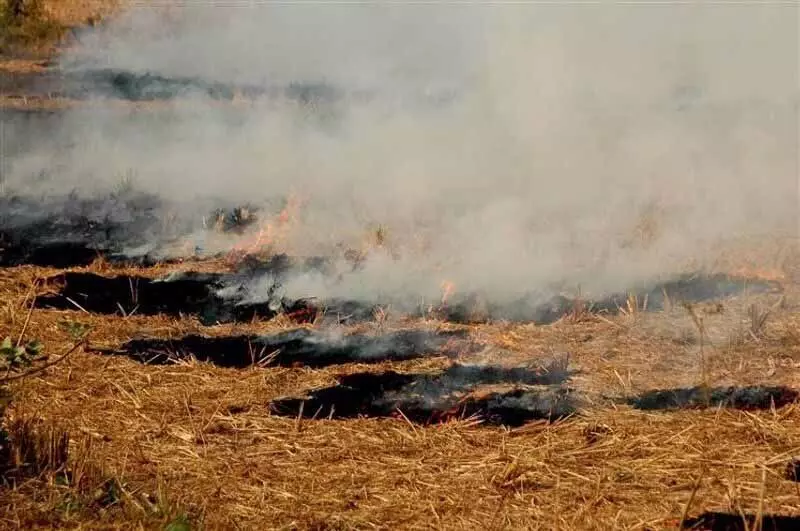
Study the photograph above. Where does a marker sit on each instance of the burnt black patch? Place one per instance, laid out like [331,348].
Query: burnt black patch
[70,231]
[460,376]
[474,308]
[189,295]
[300,347]
[745,398]
[146,86]
[149,86]
[538,308]
[124,226]
[719,521]
[427,398]
[199,294]
[59,254]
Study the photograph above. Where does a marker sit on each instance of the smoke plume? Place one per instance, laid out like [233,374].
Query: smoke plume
[503,148]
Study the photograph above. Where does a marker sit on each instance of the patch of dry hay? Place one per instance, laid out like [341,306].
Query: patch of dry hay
[197,439]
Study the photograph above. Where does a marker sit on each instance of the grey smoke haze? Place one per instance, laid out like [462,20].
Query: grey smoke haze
[569,126]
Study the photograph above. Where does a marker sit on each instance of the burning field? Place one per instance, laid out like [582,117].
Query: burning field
[602,417]
[439,284]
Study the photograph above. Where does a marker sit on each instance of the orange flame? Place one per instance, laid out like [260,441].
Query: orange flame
[269,232]
[448,288]
[293,204]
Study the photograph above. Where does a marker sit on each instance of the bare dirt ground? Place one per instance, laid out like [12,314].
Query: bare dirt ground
[193,445]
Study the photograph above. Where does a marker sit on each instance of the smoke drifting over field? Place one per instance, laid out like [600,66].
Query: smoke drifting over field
[503,148]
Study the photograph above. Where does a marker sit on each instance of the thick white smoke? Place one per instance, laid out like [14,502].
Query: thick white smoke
[504,147]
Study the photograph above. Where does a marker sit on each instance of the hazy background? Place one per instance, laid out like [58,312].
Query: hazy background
[503,147]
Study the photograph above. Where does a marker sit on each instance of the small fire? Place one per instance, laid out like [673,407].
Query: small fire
[263,232]
[270,232]
[252,244]
[287,214]
[448,288]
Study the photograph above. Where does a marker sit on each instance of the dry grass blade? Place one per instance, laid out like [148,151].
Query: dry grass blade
[701,330]
[78,306]
[760,512]
[30,311]
[298,424]
[757,319]
[688,506]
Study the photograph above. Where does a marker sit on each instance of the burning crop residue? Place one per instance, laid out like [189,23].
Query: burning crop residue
[257,289]
[300,347]
[745,398]
[494,168]
[47,254]
[130,227]
[454,393]
[661,296]
[139,87]
[70,231]
[191,294]
[212,297]
[370,142]
[130,294]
